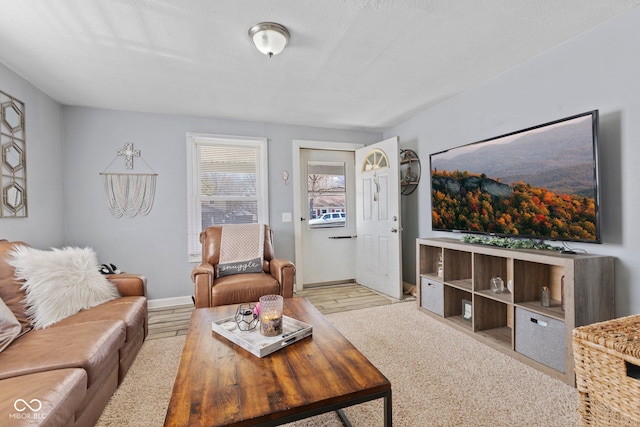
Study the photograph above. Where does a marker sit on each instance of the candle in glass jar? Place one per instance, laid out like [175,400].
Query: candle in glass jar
[270,323]
[271,315]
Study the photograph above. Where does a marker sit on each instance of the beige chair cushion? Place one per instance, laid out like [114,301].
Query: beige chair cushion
[9,326]
[10,287]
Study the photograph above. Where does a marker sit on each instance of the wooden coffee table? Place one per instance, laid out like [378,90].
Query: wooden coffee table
[221,384]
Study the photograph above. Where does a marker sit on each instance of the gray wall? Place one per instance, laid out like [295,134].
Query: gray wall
[44,226]
[156,245]
[597,70]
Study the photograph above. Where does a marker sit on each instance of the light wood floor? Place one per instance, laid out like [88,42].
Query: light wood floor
[172,321]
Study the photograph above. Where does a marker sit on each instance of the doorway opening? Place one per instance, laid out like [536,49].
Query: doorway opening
[322,180]
[327,218]
[356,231]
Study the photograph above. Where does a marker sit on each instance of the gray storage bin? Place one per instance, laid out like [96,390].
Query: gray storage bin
[541,338]
[432,296]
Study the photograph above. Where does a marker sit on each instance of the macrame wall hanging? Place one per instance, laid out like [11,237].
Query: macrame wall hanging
[128,193]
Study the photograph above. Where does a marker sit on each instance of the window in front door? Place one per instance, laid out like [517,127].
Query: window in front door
[326,190]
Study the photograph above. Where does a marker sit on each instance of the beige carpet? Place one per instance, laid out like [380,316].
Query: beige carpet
[439,377]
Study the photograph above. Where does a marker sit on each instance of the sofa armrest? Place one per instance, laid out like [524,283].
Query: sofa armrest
[284,272]
[202,276]
[129,284]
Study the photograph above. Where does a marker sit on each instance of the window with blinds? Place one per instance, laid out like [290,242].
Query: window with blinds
[227,184]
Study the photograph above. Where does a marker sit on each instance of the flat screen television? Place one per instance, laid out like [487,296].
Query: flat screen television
[539,183]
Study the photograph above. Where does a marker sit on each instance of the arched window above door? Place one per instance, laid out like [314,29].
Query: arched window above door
[376,159]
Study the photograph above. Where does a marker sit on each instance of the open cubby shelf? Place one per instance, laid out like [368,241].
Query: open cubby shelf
[450,272]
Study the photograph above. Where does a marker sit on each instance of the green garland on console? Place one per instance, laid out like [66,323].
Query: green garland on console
[505,242]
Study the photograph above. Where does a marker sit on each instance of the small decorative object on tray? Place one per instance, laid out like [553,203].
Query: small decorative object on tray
[255,342]
[271,315]
[245,317]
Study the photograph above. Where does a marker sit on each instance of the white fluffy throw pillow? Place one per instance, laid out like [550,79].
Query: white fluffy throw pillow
[60,282]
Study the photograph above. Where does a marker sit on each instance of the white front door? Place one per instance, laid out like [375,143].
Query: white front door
[379,229]
[328,207]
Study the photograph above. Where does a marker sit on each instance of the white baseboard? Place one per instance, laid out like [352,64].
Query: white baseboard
[169,302]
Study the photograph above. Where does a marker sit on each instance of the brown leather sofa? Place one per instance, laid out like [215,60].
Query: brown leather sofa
[67,372]
[277,275]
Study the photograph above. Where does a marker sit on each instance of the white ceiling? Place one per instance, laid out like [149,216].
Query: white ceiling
[353,64]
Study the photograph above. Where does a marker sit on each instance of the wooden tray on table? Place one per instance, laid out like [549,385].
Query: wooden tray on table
[257,344]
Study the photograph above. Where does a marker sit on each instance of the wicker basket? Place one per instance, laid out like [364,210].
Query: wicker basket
[607,366]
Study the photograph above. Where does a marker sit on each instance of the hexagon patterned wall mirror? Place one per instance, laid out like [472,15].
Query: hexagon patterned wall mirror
[13,179]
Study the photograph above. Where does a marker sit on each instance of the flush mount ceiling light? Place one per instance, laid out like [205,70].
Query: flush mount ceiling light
[270,38]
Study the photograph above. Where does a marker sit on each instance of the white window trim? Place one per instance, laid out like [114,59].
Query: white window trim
[194,207]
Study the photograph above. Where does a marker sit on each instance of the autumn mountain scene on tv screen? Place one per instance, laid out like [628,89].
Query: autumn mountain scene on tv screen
[540,182]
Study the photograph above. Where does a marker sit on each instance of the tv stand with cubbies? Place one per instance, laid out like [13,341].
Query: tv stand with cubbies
[451,273]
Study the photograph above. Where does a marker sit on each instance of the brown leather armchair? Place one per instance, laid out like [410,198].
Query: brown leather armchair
[276,277]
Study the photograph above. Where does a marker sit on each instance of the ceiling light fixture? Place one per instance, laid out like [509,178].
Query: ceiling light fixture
[270,38]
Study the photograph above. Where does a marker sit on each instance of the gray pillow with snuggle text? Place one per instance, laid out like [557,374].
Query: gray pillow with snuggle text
[251,266]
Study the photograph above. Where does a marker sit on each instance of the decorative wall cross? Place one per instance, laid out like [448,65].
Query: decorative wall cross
[129,153]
